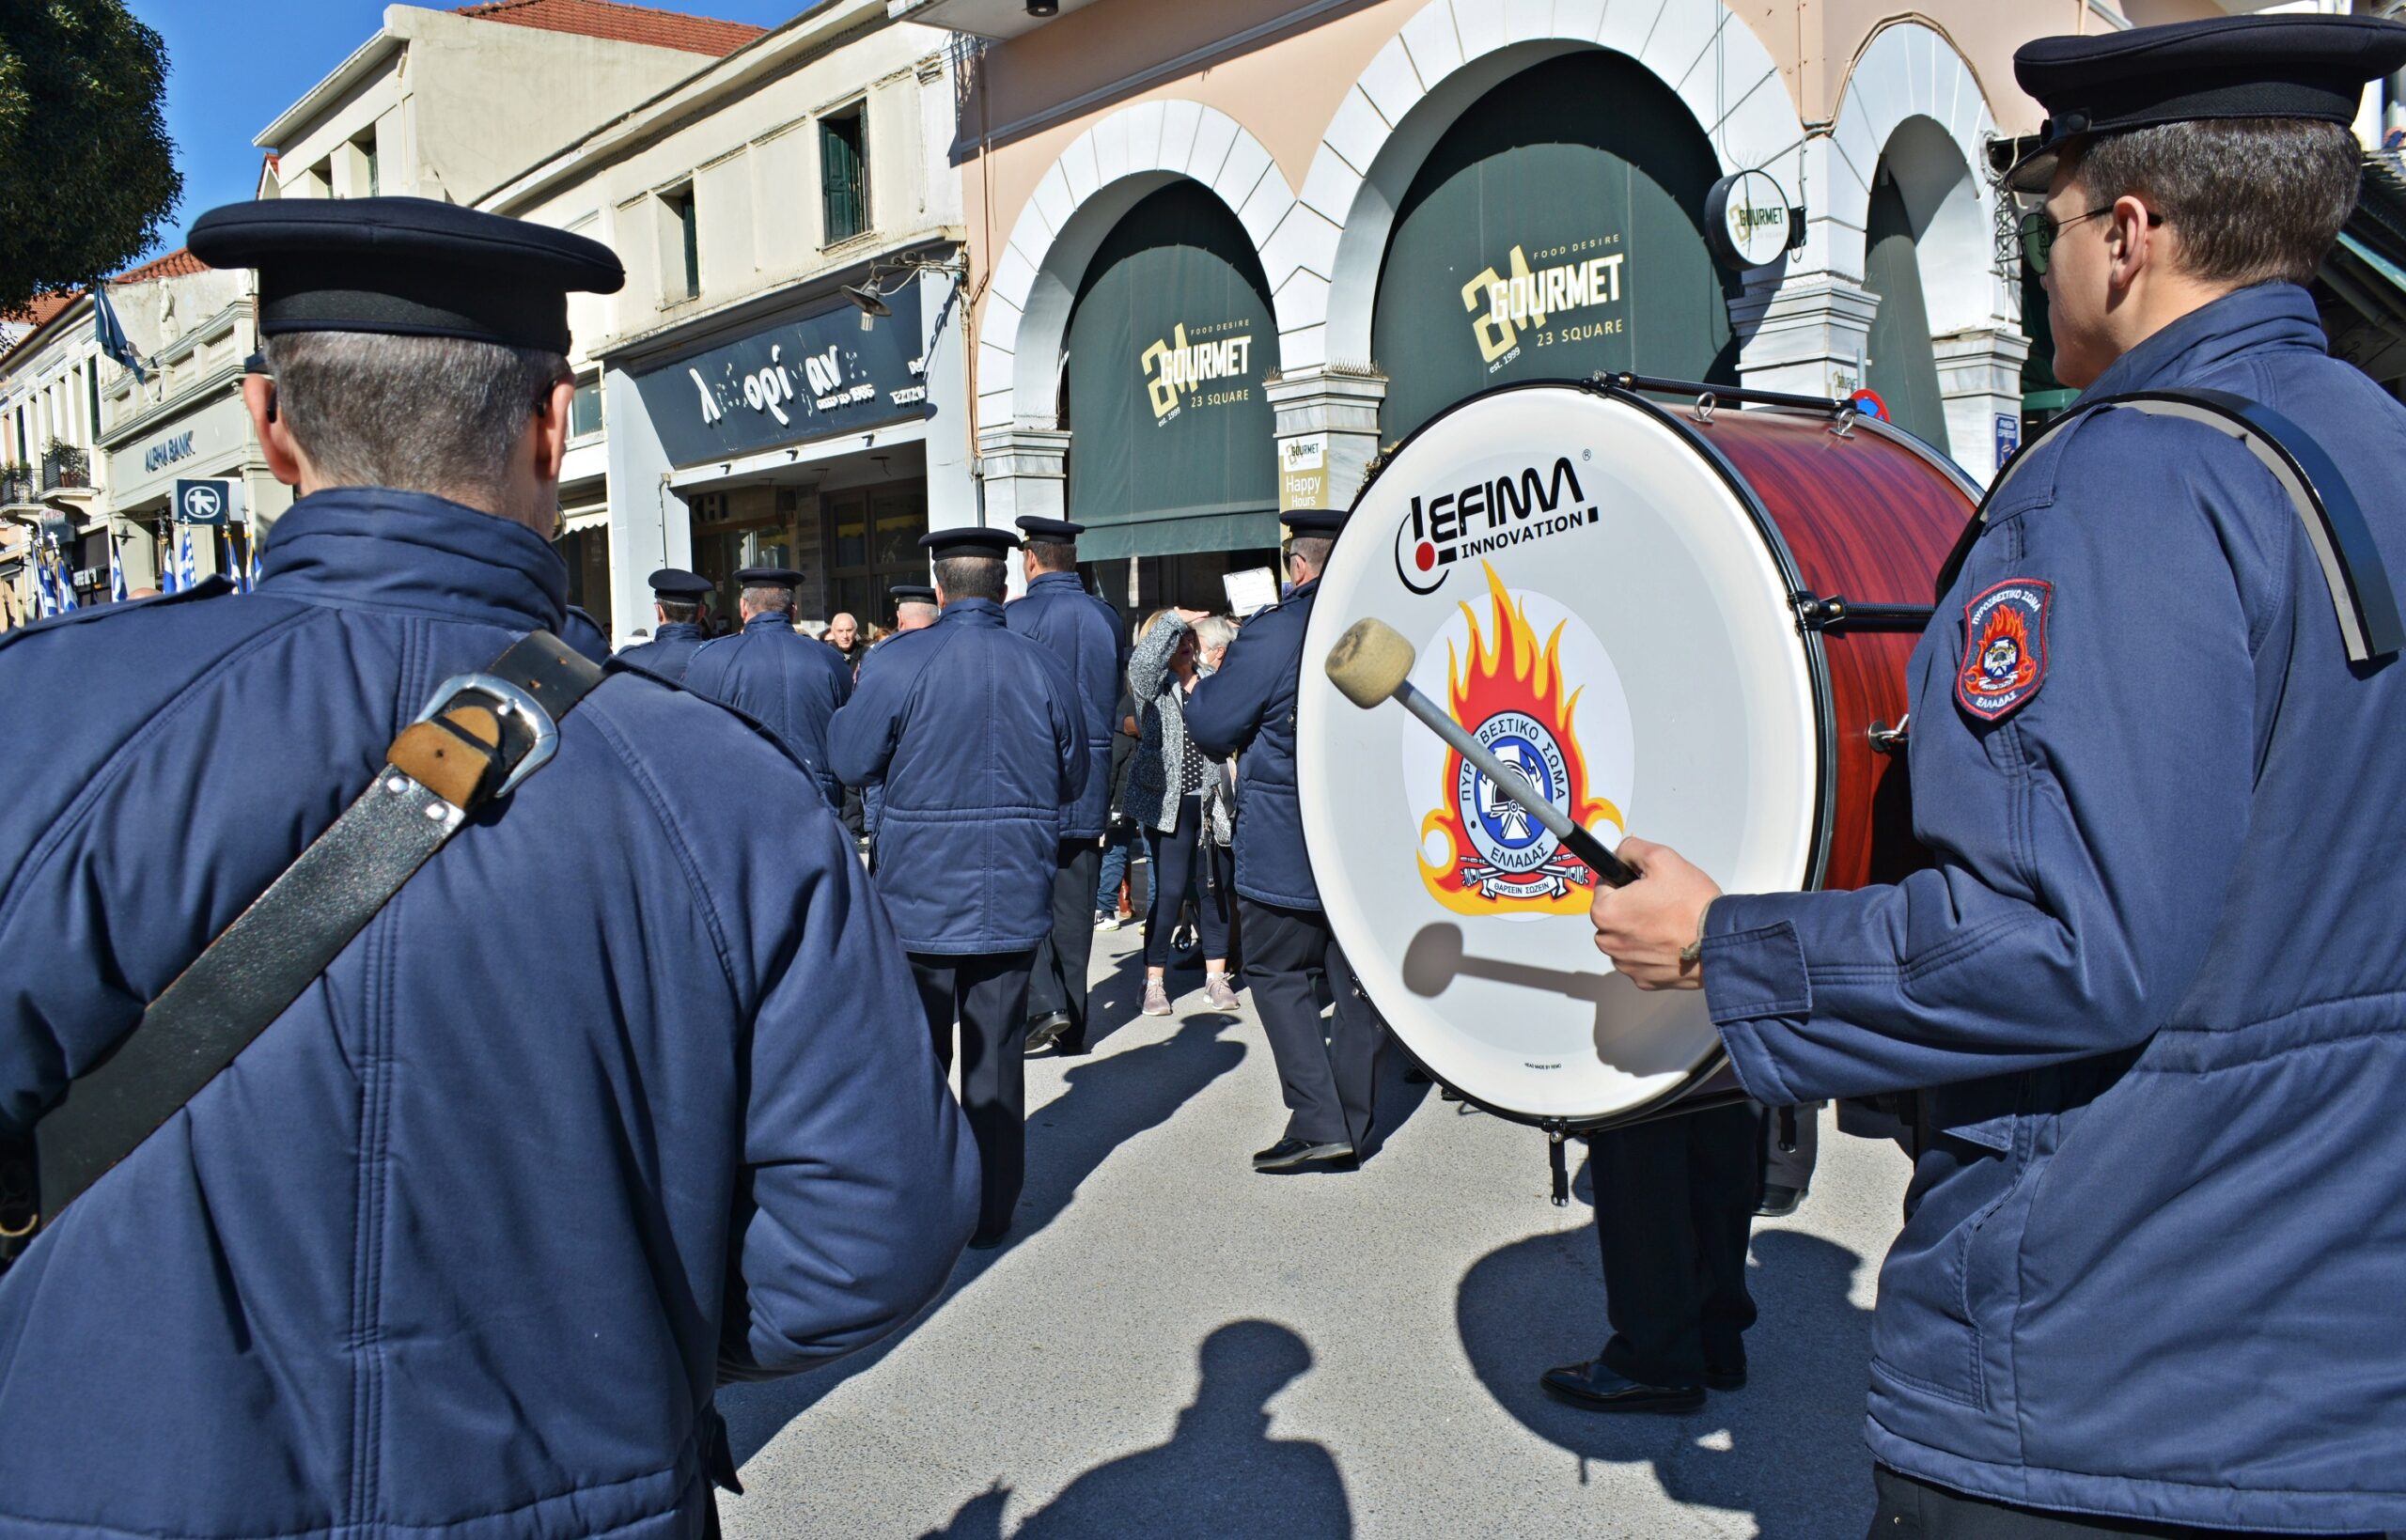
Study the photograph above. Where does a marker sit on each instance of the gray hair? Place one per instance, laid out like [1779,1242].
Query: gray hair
[1313,548]
[2253,198]
[766,596]
[1214,631]
[971,577]
[422,414]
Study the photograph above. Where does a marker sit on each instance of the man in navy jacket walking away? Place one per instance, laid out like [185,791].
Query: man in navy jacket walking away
[979,739]
[1081,630]
[569,1134]
[775,674]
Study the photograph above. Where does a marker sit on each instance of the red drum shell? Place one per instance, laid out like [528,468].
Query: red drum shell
[1869,517]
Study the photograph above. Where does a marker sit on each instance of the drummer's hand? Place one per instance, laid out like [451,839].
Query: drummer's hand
[1643,928]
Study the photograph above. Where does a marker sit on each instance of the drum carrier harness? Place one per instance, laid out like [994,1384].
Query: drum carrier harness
[480,736]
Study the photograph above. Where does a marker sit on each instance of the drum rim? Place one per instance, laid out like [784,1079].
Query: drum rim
[1817,672]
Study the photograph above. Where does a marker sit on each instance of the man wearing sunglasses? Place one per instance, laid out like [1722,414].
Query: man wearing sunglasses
[2148,1278]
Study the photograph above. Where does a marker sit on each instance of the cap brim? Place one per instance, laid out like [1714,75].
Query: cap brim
[2032,173]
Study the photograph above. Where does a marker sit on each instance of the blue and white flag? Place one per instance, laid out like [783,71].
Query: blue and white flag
[111,334]
[117,594]
[54,587]
[168,584]
[241,566]
[185,574]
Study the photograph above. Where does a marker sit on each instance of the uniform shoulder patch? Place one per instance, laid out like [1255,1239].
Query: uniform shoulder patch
[2005,647]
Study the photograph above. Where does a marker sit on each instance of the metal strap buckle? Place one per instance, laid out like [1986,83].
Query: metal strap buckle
[511,700]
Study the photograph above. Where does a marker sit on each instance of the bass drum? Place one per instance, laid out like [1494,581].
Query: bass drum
[1653,613]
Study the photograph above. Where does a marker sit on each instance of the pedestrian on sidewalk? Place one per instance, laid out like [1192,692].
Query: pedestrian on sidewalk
[1179,795]
[1122,837]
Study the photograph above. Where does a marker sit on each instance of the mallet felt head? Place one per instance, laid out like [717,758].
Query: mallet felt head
[1369,662]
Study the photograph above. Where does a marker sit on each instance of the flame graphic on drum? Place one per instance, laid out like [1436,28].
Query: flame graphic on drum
[1512,698]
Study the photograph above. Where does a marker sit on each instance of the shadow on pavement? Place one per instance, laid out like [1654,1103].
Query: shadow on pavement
[1108,1100]
[1220,1475]
[1788,1449]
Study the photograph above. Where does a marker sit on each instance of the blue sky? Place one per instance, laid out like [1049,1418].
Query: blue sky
[235,64]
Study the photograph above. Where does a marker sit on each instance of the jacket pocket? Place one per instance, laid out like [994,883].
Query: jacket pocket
[1937,1303]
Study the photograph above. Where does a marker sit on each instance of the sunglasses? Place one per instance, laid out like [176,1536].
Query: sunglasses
[2040,231]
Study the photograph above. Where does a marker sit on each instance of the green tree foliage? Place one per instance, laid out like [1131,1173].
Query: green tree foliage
[87,172]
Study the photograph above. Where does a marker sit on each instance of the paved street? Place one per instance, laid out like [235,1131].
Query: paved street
[1170,1345]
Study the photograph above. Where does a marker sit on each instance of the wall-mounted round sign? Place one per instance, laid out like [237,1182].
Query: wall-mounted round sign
[1746,219]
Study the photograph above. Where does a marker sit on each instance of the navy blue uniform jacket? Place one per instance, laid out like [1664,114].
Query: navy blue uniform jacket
[2157,1253]
[1082,631]
[978,739]
[626,1093]
[785,681]
[669,653]
[1248,708]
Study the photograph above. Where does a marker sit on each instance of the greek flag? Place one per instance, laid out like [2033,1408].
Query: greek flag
[117,570]
[241,563]
[110,334]
[185,577]
[54,589]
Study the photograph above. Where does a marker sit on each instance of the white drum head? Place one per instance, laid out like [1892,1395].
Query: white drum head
[1598,607]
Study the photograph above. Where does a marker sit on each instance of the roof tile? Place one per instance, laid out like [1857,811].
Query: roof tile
[621,23]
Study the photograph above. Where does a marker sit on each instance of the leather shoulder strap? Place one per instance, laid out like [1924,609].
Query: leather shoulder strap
[480,737]
[2361,597]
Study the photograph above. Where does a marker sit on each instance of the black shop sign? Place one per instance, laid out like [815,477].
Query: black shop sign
[801,379]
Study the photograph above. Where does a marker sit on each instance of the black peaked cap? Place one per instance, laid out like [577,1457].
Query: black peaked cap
[768,577]
[1325,524]
[1055,530]
[969,540]
[2308,66]
[406,267]
[912,593]
[676,583]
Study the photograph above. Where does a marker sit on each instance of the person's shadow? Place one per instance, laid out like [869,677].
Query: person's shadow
[1220,1475]
[1788,1449]
[1108,1100]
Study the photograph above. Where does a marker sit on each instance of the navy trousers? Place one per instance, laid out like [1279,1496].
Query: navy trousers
[986,995]
[1675,1203]
[1327,1069]
[1059,981]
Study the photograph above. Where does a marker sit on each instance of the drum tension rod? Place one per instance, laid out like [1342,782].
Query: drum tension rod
[1888,739]
[1556,1132]
[1838,613]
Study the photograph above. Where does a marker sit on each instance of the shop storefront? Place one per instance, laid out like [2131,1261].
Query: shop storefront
[201,435]
[1543,239]
[1171,431]
[796,443]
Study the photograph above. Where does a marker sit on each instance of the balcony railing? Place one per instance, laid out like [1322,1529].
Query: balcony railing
[18,484]
[65,466]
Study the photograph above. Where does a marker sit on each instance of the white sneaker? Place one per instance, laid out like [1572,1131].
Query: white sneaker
[1106,921]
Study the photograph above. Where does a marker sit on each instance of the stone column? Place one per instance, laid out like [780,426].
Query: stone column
[1336,401]
[1979,373]
[1023,468]
[1806,334]
[650,524]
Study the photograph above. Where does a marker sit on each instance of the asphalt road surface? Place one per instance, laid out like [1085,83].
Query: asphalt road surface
[1172,1345]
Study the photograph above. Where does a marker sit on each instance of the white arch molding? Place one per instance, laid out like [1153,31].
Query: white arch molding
[1324,263]
[1025,321]
[1911,99]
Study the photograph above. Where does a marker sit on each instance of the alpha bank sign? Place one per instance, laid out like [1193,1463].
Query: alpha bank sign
[798,380]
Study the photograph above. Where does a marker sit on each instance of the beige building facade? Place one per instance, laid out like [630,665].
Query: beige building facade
[1374,172]
[750,409]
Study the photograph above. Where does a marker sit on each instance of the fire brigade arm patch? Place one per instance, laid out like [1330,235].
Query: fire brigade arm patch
[2005,647]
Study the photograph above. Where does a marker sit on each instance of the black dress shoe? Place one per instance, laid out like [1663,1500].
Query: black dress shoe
[1305,1155]
[985,1241]
[1043,1029]
[1594,1387]
[1780,1202]
[1070,1048]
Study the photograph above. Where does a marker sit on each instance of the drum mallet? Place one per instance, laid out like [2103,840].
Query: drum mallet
[1372,661]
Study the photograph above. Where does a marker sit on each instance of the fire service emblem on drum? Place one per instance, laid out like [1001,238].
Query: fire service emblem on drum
[1463,521]
[1489,855]
[2005,647]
